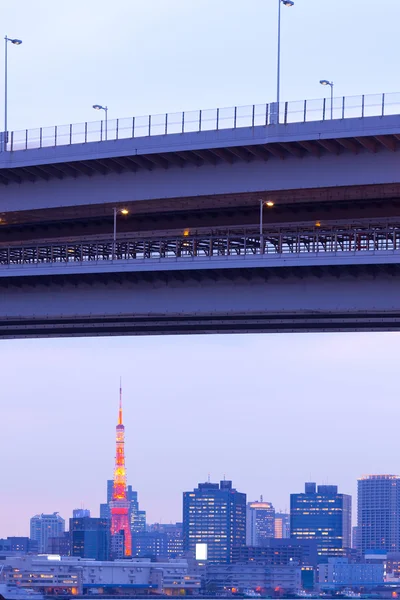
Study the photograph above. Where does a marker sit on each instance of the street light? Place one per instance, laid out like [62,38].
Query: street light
[330,83]
[123,211]
[16,42]
[269,204]
[278,86]
[105,108]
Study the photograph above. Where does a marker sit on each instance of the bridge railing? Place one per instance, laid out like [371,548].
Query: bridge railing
[238,244]
[345,107]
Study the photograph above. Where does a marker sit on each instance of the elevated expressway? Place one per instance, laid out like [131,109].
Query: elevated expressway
[190,256]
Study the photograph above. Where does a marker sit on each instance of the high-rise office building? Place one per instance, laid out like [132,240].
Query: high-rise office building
[105,512]
[378,519]
[137,517]
[260,523]
[282,526]
[324,515]
[44,527]
[59,545]
[90,538]
[354,539]
[174,533]
[214,521]
[149,544]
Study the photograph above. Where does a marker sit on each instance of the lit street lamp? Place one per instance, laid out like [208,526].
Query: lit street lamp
[278,86]
[105,108]
[330,83]
[122,211]
[16,42]
[269,204]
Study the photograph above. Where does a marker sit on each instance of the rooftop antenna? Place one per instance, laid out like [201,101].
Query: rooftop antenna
[208,479]
[261,498]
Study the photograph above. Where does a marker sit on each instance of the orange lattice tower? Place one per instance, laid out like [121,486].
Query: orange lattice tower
[120,504]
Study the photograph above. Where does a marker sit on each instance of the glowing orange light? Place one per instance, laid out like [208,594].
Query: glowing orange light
[318,224]
[186,232]
[120,504]
[270,203]
[124,211]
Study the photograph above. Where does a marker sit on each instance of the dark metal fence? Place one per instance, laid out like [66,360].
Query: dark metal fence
[375,238]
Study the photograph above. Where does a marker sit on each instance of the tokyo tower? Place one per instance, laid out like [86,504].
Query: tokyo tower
[120,504]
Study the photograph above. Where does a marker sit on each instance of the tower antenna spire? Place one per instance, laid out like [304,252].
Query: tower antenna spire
[120,402]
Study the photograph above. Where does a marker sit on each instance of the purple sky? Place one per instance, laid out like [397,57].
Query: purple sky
[267,411]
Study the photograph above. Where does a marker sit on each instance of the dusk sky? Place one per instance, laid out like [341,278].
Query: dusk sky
[267,411]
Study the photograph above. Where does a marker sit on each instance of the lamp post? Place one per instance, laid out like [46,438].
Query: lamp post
[16,42]
[105,108]
[278,83]
[263,203]
[330,83]
[123,211]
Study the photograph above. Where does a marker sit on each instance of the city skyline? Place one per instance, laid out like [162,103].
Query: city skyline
[151,407]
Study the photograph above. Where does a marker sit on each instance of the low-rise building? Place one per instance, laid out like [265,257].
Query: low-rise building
[18,545]
[75,575]
[256,577]
[339,572]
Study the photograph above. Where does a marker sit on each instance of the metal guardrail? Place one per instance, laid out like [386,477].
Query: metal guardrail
[345,107]
[291,242]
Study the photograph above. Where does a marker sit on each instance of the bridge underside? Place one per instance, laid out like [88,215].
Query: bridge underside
[259,300]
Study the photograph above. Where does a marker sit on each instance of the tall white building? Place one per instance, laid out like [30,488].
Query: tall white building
[44,527]
[260,523]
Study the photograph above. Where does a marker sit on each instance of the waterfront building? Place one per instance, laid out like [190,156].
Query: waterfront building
[70,576]
[324,515]
[282,526]
[214,516]
[18,545]
[46,526]
[242,578]
[260,523]
[392,560]
[90,538]
[338,572]
[378,517]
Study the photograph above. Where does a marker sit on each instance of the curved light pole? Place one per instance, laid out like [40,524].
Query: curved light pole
[16,42]
[105,108]
[123,211]
[278,83]
[330,83]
